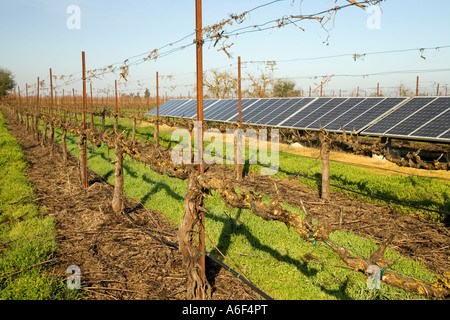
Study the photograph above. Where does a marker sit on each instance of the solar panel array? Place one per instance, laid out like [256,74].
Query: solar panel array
[421,118]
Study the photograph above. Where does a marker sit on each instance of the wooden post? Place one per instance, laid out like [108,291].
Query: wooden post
[82,138]
[325,156]
[27,107]
[116,119]
[237,164]
[117,202]
[417,86]
[201,169]
[378,89]
[321,88]
[310,92]
[437,90]
[36,120]
[157,112]
[74,106]
[357,91]
[52,127]
[92,111]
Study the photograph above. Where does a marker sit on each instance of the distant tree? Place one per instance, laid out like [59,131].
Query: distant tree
[261,86]
[285,88]
[220,84]
[7,82]
[147,93]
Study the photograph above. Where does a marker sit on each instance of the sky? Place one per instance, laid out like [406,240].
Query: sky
[36,37]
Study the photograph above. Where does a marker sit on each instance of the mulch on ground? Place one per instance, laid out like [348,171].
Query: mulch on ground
[117,257]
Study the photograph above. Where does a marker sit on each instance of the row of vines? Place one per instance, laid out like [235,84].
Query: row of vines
[159,159]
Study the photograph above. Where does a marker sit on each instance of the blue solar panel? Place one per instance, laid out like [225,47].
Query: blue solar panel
[369,116]
[434,128]
[317,113]
[232,112]
[352,114]
[255,109]
[268,108]
[396,116]
[292,120]
[445,135]
[192,112]
[284,112]
[337,111]
[421,117]
[163,107]
[218,108]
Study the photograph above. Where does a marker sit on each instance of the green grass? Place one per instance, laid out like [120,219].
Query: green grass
[272,256]
[26,237]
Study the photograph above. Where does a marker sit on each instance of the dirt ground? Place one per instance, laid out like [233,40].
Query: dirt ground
[119,261]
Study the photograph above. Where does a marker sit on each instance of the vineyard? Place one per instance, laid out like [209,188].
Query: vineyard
[280,196]
[353,228]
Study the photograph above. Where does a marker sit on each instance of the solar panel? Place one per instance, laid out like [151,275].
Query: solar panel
[352,114]
[399,114]
[182,110]
[192,111]
[277,104]
[377,111]
[232,113]
[420,118]
[292,121]
[219,107]
[332,114]
[256,109]
[320,111]
[175,106]
[435,128]
[163,107]
[445,135]
[281,114]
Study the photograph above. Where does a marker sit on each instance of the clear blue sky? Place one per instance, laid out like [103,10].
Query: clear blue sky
[35,38]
